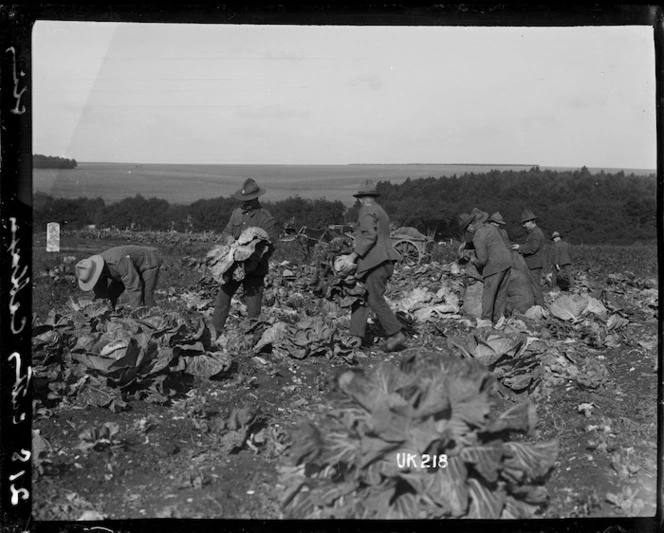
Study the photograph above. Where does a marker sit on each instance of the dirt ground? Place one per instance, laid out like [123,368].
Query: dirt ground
[171,460]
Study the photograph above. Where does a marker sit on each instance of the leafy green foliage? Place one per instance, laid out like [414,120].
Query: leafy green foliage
[504,354]
[349,463]
[569,307]
[94,356]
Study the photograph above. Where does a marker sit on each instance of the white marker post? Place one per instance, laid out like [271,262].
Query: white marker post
[52,237]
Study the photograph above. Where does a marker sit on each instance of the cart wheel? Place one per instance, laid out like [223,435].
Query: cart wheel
[409,252]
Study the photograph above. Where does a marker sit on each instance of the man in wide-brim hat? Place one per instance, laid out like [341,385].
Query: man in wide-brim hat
[476,216]
[562,263]
[465,219]
[493,261]
[497,220]
[249,214]
[249,191]
[375,258]
[131,269]
[533,252]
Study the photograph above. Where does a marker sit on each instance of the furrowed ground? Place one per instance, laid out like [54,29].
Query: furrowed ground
[139,415]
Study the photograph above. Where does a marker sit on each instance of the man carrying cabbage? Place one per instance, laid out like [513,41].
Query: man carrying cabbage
[373,257]
[249,241]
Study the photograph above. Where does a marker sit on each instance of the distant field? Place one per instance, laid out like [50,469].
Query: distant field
[185,184]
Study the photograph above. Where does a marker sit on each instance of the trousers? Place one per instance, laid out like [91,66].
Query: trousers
[375,282]
[565,272]
[150,277]
[253,298]
[536,277]
[494,295]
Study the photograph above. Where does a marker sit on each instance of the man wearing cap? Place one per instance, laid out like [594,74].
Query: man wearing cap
[249,214]
[533,252]
[497,220]
[494,261]
[375,258]
[131,268]
[562,262]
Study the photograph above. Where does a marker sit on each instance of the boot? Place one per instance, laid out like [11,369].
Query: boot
[395,343]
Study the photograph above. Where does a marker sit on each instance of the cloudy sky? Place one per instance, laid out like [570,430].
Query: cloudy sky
[159,93]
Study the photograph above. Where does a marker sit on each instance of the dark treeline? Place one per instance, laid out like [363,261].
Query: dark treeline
[586,208]
[591,208]
[141,213]
[49,161]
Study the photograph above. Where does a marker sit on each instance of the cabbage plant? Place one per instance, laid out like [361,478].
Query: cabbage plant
[352,462]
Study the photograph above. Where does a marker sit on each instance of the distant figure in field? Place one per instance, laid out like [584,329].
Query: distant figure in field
[375,258]
[497,220]
[562,275]
[494,261]
[533,252]
[131,268]
[249,214]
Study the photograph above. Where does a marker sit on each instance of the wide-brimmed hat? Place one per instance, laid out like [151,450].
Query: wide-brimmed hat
[497,218]
[527,215]
[555,234]
[88,271]
[368,189]
[249,191]
[475,216]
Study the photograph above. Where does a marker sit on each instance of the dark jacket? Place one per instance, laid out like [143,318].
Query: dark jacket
[256,217]
[492,254]
[372,239]
[561,253]
[533,249]
[131,265]
[505,236]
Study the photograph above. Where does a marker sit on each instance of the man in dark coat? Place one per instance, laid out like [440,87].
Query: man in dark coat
[494,261]
[249,214]
[375,258]
[533,252]
[562,262]
[130,268]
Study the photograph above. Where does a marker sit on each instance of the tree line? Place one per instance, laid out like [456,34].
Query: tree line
[141,213]
[587,208]
[50,161]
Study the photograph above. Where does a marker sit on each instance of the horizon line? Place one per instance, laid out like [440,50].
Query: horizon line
[528,165]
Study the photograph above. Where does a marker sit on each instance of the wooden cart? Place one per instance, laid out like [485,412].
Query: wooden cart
[412,249]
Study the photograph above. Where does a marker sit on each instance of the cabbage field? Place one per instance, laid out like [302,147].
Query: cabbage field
[144,414]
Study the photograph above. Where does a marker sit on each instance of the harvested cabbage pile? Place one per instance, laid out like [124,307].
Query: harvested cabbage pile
[327,282]
[239,258]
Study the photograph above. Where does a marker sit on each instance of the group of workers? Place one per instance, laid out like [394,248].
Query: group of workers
[135,269]
[486,245]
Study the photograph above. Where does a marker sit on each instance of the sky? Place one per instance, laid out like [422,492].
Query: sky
[249,94]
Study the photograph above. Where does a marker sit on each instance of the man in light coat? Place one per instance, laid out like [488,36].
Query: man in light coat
[562,262]
[494,261]
[375,258]
[131,269]
[533,252]
[249,214]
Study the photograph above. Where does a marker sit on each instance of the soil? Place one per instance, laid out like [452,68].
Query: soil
[168,461]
